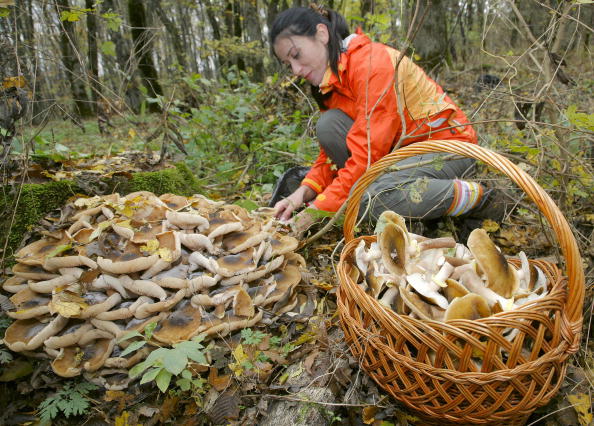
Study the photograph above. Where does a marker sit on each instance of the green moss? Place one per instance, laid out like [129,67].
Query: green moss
[179,180]
[34,202]
[37,200]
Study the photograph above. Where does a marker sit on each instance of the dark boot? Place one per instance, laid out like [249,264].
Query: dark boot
[288,183]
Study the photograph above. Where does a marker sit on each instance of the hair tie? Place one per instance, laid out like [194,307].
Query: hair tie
[320,9]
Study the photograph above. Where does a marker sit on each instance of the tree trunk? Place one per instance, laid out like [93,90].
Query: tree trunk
[174,34]
[72,62]
[92,55]
[431,42]
[253,32]
[144,51]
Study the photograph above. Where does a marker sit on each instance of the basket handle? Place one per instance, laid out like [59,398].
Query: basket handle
[551,212]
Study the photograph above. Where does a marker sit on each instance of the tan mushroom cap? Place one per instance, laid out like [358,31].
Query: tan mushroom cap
[127,266]
[175,202]
[223,326]
[470,307]
[285,281]
[89,357]
[258,273]
[182,323]
[70,335]
[35,253]
[235,264]
[222,223]
[239,241]
[14,284]
[32,272]
[117,361]
[144,232]
[454,289]
[423,310]
[28,304]
[30,334]
[283,244]
[502,278]
[147,309]
[243,305]
[187,220]
[391,240]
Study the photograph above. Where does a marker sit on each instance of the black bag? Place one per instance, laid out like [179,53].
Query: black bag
[288,183]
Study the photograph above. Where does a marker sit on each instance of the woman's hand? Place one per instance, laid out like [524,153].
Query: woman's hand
[285,207]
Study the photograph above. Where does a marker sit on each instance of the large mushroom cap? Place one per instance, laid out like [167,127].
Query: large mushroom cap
[502,278]
[90,357]
[29,334]
[181,324]
[36,252]
[393,242]
[470,307]
[29,304]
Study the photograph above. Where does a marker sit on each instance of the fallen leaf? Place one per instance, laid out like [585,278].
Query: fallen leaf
[67,304]
[490,225]
[150,247]
[322,284]
[581,404]
[309,361]
[369,414]
[220,383]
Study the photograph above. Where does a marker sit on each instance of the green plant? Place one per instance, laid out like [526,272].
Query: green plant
[163,364]
[71,400]
[251,337]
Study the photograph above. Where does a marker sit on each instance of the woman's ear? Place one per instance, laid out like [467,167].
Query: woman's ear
[322,33]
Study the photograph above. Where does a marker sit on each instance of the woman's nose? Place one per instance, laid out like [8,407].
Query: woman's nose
[295,68]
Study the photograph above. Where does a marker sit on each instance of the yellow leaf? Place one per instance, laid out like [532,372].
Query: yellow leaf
[322,284]
[125,224]
[490,225]
[67,304]
[59,249]
[100,228]
[297,372]
[581,404]
[304,338]
[240,357]
[166,254]
[151,246]
[131,133]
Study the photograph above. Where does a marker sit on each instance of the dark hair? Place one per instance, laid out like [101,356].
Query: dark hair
[302,21]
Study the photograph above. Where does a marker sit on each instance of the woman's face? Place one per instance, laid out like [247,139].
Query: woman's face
[307,56]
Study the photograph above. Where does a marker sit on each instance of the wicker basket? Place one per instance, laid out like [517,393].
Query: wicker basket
[428,366]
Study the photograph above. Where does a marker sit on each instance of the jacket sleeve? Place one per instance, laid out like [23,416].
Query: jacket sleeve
[322,173]
[375,100]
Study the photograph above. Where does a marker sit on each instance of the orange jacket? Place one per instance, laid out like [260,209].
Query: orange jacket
[366,74]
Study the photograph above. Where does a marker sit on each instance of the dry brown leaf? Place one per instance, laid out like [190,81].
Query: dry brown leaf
[220,383]
[369,413]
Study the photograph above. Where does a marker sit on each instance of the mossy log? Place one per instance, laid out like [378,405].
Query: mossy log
[23,206]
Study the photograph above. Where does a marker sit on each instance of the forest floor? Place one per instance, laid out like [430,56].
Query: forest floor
[314,380]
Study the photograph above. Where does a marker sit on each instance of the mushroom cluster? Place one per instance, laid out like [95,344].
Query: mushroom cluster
[116,264]
[439,279]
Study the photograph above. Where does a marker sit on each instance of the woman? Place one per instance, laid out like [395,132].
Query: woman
[354,83]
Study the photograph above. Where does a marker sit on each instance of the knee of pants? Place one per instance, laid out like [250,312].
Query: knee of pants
[326,127]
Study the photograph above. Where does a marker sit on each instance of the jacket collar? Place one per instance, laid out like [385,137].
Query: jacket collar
[330,79]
